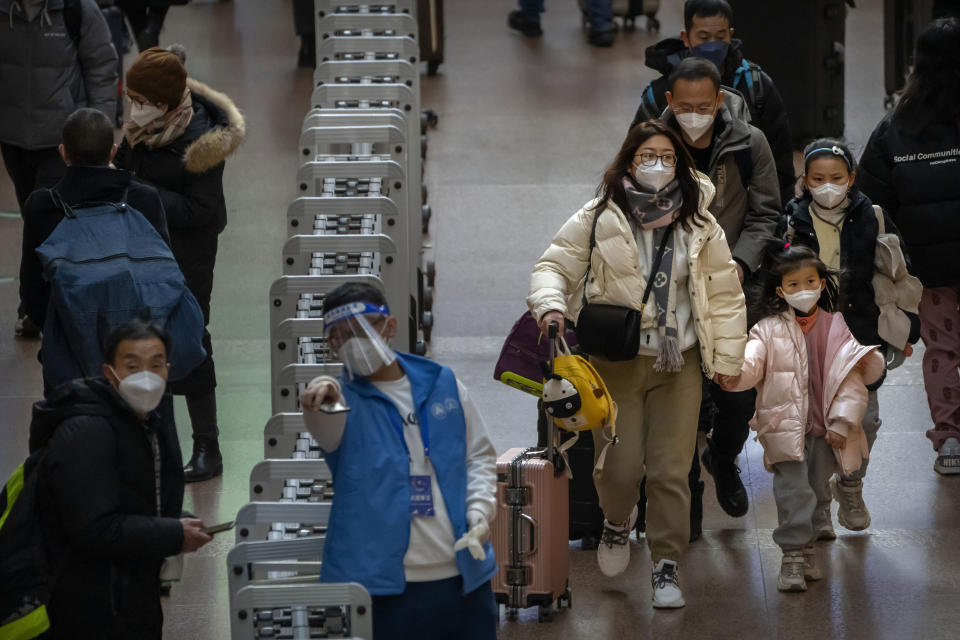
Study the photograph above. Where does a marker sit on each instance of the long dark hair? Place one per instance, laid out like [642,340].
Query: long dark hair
[780,259]
[932,93]
[611,188]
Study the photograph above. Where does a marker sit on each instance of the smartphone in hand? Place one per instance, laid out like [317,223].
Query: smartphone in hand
[219,528]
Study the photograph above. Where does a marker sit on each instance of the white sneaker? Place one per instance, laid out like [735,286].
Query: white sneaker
[791,572]
[811,567]
[948,458]
[852,512]
[613,554]
[666,586]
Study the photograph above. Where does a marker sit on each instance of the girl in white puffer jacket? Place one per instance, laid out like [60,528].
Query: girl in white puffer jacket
[811,375]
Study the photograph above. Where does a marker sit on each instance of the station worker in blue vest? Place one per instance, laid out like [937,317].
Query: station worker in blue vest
[414,472]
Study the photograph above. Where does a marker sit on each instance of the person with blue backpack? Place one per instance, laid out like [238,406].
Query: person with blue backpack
[93,260]
[708,34]
[87,150]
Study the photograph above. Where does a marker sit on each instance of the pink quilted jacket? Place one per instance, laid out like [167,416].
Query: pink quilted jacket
[776,364]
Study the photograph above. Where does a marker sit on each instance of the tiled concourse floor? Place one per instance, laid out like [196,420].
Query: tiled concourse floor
[526,127]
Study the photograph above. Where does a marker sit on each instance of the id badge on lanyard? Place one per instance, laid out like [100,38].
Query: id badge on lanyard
[421,496]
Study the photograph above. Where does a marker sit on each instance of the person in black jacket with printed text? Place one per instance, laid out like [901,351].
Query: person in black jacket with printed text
[911,168]
[177,138]
[111,492]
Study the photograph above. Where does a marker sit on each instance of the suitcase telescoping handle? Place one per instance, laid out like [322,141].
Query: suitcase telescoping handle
[551,453]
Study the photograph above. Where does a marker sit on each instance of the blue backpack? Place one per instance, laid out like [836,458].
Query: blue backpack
[107,265]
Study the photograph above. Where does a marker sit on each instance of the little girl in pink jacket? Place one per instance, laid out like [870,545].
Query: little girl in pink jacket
[811,375]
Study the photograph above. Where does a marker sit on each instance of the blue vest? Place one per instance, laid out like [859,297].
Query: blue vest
[369,528]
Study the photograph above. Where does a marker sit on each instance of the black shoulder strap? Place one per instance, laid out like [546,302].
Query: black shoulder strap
[68,210]
[656,260]
[593,243]
[62,204]
[759,91]
[73,19]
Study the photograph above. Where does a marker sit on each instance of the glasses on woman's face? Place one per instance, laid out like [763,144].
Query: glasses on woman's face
[137,101]
[650,159]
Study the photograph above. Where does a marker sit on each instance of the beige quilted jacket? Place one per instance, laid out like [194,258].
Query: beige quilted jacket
[558,283]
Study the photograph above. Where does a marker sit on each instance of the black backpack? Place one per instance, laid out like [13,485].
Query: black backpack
[26,574]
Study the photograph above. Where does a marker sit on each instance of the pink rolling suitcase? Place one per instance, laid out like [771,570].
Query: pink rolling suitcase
[530,529]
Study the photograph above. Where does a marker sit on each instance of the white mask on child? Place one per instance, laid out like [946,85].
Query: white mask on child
[803,301]
[829,195]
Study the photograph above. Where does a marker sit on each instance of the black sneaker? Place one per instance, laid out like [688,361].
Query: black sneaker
[519,21]
[731,494]
[600,38]
[25,328]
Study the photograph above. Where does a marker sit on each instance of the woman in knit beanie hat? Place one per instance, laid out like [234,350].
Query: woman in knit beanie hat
[161,105]
[177,137]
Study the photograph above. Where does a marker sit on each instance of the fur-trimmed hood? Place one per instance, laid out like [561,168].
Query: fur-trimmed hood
[227,132]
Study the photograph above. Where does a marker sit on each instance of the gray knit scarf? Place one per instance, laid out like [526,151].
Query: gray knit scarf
[657,211]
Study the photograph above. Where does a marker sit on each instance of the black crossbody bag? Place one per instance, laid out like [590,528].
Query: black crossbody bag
[608,330]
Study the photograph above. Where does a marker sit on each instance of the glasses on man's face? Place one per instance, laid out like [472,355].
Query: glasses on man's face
[650,159]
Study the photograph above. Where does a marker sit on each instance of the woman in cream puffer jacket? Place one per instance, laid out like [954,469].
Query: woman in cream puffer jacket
[695,318]
[558,282]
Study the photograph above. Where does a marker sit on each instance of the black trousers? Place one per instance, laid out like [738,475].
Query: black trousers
[196,253]
[725,415]
[31,169]
[732,414]
[140,13]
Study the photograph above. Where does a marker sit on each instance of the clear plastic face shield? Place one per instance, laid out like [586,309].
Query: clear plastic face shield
[354,333]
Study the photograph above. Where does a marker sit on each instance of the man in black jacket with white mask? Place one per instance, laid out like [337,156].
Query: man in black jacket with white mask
[111,492]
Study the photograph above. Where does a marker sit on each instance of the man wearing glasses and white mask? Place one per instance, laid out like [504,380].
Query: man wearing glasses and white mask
[714,125]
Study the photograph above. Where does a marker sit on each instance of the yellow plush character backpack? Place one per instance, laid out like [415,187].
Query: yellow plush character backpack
[576,398]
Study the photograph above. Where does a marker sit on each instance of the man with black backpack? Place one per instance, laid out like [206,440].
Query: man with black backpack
[708,34]
[55,56]
[87,522]
[736,157]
